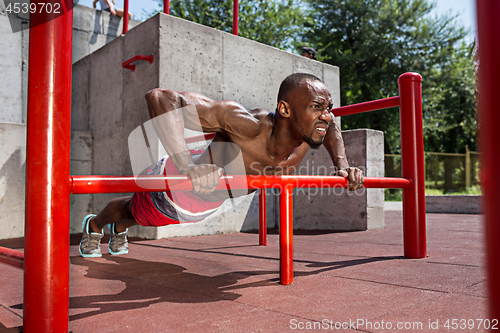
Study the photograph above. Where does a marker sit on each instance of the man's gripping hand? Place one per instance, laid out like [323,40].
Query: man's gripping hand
[205,177]
[355,177]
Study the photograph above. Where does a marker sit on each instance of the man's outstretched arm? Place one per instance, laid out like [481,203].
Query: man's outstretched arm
[334,144]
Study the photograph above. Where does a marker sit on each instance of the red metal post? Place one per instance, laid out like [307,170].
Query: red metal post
[125,17]
[488,12]
[412,165]
[166,7]
[236,7]
[46,265]
[262,217]
[286,234]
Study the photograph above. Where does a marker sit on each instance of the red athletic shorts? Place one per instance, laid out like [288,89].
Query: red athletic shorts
[155,209]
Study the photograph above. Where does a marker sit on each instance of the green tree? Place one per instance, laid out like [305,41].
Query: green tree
[450,117]
[273,22]
[373,42]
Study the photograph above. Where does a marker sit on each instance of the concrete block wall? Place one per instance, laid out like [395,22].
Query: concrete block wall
[12,178]
[338,209]
[12,175]
[193,57]
[447,204]
[108,101]
[80,164]
[454,204]
[13,59]
[91,30]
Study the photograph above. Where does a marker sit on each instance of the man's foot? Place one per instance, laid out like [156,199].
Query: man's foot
[118,243]
[90,246]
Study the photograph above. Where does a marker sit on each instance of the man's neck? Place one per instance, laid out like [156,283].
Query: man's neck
[282,141]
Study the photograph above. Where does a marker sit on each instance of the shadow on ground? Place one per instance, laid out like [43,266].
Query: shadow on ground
[148,282]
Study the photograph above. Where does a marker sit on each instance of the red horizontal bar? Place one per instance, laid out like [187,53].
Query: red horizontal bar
[12,257]
[128,64]
[129,184]
[378,104]
[198,138]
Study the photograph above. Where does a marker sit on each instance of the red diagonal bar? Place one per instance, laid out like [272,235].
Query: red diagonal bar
[379,104]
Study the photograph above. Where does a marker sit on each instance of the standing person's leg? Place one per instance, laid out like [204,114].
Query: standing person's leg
[120,12]
[118,215]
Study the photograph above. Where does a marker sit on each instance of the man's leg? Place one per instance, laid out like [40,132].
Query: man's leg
[118,211]
[118,215]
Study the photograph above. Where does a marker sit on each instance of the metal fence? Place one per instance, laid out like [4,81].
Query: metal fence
[447,172]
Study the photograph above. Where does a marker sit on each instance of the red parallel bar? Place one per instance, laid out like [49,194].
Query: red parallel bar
[115,184]
[129,64]
[488,12]
[262,217]
[46,251]
[379,104]
[236,7]
[198,138]
[125,17]
[14,258]
[166,7]
[412,165]
[286,235]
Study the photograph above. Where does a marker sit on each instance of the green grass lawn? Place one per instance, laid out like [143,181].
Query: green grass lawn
[397,195]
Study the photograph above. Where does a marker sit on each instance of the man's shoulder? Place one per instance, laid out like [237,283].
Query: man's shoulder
[248,123]
[263,117]
[260,114]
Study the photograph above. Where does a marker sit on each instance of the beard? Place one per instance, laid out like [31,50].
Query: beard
[312,143]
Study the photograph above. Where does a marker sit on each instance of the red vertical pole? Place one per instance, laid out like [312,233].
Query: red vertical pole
[412,165]
[262,217]
[46,265]
[286,235]
[166,7]
[489,118]
[125,17]
[236,6]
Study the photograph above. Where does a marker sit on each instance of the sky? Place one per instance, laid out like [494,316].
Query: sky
[465,8]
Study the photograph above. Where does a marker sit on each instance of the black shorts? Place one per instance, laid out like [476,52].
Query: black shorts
[107,10]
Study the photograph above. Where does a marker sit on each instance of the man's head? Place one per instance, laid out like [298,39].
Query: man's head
[306,102]
[309,52]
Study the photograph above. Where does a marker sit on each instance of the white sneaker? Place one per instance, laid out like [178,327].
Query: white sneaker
[90,246]
[118,243]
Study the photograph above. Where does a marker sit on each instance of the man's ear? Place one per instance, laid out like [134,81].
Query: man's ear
[283,109]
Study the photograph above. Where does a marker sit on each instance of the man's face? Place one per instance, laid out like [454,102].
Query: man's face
[311,105]
[307,54]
